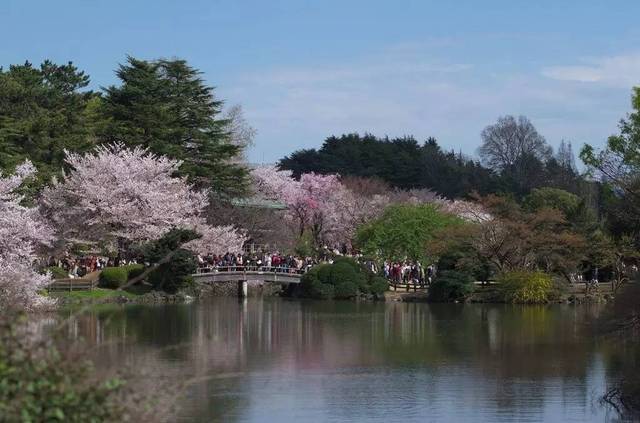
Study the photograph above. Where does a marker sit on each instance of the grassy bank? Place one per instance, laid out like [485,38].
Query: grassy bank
[101,295]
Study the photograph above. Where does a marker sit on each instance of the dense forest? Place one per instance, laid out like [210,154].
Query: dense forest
[406,164]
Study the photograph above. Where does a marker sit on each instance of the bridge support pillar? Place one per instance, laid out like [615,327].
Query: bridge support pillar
[243,289]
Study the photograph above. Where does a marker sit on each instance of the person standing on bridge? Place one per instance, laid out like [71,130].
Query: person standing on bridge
[268,262]
[240,262]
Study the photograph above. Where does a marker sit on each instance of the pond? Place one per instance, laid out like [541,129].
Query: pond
[288,361]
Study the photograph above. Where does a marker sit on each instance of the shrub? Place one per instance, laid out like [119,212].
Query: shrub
[313,287]
[44,379]
[345,290]
[342,279]
[115,277]
[378,286]
[324,291]
[525,287]
[451,285]
[175,274]
[136,271]
[344,273]
[38,383]
[358,274]
[324,273]
[57,272]
[347,261]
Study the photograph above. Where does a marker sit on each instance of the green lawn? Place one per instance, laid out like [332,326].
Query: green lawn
[102,293]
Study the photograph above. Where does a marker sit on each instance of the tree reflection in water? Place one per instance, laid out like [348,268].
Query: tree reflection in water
[274,359]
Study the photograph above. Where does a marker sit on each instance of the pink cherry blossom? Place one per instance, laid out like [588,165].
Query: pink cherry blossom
[22,230]
[466,210]
[217,239]
[318,203]
[118,193]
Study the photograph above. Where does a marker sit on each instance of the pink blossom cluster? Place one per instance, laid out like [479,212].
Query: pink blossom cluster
[350,211]
[217,240]
[466,210]
[116,192]
[332,213]
[318,203]
[22,230]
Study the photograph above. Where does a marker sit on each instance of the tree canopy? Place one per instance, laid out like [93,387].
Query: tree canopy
[406,164]
[401,162]
[43,111]
[618,166]
[509,140]
[165,105]
[404,231]
[22,231]
[162,105]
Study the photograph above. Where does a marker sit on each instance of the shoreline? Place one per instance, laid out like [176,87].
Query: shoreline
[109,296]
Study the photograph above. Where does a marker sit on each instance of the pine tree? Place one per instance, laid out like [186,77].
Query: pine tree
[165,105]
[42,112]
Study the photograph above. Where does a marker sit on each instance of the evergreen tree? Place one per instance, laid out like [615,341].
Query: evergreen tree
[401,162]
[43,112]
[166,106]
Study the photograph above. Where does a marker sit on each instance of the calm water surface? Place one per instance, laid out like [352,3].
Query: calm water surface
[275,360]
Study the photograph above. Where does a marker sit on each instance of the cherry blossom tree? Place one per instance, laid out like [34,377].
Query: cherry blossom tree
[276,184]
[309,200]
[470,211]
[279,185]
[119,196]
[22,230]
[217,240]
[318,203]
[116,194]
[350,210]
[332,211]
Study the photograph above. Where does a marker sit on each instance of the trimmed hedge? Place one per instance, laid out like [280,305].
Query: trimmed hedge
[115,277]
[343,279]
[525,287]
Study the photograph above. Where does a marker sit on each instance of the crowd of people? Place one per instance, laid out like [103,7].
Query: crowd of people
[77,267]
[256,261]
[396,272]
[409,273]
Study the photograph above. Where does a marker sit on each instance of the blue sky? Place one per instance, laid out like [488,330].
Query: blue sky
[303,70]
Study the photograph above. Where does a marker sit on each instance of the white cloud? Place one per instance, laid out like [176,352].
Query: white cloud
[621,70]
[354,71]
[298,107]
[573,73]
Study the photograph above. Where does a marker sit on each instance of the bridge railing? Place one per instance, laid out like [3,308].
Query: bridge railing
[248,268]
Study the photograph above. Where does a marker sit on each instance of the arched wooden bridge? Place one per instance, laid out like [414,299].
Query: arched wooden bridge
[243,274]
